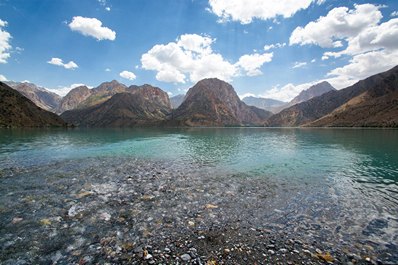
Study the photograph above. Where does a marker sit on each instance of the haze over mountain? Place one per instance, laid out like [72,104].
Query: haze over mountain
[140,106]
[176,101]
[370,102]
[43,98]
[17,110]
[268,104]
[212,102]
[312,92]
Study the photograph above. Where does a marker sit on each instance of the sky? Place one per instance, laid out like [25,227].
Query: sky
[265,48]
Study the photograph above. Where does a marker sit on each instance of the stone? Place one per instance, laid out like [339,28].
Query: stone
[185,257]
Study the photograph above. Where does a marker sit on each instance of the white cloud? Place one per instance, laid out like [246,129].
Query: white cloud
[362,66]
[313,60]
[245,11]
[108,8]
[5,46]
[128,75]
[287,92]
[251,63]
[299,64]
[273,46]
[371,46]
[339,24]
[394,14]
[62,91]
[107,70]
[3,78]
[92,27]
[191,58]
[57,61]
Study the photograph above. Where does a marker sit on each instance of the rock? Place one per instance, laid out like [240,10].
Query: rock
[185,257]
[16,220]
[190,223]
[211,206]
[105,216]
[270,251]
[148,256]
[74,210]
[326,257]
[283,250]
[45,222]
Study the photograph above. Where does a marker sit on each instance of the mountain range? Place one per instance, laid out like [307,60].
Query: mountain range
[210,102]
[369,102]
[17,110]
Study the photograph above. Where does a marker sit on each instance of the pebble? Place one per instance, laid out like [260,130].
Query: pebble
[283,250]
[185,257]
[270,251]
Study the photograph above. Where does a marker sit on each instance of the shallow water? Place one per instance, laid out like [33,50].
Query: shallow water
[338,186]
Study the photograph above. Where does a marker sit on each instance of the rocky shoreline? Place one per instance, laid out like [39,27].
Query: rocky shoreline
[132,211]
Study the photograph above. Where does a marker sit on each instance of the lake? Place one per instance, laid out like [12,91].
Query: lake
[338,187]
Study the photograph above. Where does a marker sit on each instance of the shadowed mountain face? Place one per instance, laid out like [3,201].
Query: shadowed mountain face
[83,97]
[267,104]
[18,111]
[369,102]
[144,105]
[212,102]
[40,96]
[176,101]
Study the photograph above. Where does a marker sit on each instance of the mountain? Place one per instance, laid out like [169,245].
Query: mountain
[370,102]
[212,102]
[176,101]
[312,92]
[74,98]
[17,110]
[268,104]
[142,105]
[83,97]
[40,96]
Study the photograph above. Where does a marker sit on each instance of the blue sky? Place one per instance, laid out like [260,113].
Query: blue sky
[263,48]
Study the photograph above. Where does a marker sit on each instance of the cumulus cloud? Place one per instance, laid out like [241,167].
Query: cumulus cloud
[62,91]
[92,27]
[299,64]
[57,61]
[3,78]
[191,58]
[251,63]
[394,14]
[245,11]
[5,46]
[371,46]
[127,75]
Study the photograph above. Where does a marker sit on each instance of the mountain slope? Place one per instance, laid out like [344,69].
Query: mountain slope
[145,105]
[358,94]
[312,92]
[73,99]
[212,102]
[40,96]
[83,97]
[268,104]
[176,101]
[18,111]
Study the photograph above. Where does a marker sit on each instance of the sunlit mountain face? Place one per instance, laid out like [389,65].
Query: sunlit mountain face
[269,49]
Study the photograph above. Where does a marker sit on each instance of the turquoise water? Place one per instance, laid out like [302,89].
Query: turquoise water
[366,155]
[343,180]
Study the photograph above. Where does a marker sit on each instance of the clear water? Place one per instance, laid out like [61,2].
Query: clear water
[345,178]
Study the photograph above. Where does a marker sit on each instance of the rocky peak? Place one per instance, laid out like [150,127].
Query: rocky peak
[313,91]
